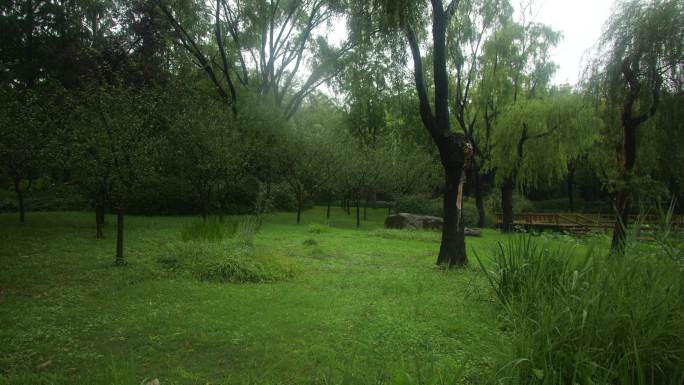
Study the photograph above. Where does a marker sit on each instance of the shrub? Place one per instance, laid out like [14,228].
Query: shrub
[223,262]
[596,319]
[283,198]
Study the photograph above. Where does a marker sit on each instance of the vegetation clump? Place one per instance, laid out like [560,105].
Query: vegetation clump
[210,230]
[224,261]
[592,319]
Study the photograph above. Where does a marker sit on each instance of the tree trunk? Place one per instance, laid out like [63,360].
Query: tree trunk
[358,217]
[477,191]
[99,220]
[327,211]
[119,235]
[299,209]
[570,183]
[22,209]
[507,205]
[627,153]
[205,205]
[365,210]
[452,251]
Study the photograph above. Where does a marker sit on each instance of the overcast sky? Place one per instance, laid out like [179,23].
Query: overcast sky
[581,22]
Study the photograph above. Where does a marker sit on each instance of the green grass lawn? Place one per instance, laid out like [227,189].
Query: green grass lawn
[364,306]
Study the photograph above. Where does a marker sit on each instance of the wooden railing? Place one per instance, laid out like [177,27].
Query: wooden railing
[583,219]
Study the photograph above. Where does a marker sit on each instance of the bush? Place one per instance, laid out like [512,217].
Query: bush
[283,198]
[596,319]
[223,262]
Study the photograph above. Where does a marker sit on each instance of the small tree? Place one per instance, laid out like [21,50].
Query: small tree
[205,146]
[23,140]
[114,135]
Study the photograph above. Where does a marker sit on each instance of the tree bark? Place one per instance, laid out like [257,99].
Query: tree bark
[299,210]
[358,217]
[119,235]
[452,251]
[507,205]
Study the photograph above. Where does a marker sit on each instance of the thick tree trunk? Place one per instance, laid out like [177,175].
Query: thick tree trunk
[365,210]
[452,251]
[299,210]
[358,216]
[119,235]
[507,205]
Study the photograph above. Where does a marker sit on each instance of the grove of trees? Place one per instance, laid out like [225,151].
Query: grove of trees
[224,107]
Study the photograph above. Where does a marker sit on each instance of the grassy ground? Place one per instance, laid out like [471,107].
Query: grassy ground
[364,306]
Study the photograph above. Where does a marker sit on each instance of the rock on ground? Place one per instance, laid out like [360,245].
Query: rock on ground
[415,221]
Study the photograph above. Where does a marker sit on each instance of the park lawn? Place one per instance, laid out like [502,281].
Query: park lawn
[363,306]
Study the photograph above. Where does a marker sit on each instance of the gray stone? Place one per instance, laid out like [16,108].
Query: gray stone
[415,221]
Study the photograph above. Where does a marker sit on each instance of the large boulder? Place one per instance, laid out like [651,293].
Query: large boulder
[414,221]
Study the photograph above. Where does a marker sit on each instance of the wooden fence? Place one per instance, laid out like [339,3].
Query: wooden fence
[582,222]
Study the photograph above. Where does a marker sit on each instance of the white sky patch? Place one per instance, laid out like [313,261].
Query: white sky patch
[581,23]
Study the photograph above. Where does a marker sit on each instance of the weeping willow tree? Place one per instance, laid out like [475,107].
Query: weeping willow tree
[639,61]
[518,69]
[543,136]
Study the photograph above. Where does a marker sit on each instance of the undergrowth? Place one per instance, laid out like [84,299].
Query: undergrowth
[591,319]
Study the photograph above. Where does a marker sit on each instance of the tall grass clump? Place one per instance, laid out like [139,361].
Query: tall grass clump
[211,230]
[226,261]
[591,319]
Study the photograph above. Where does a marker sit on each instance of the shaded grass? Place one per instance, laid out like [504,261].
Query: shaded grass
[366,306]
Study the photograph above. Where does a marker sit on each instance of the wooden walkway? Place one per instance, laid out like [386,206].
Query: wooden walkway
[579,223]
